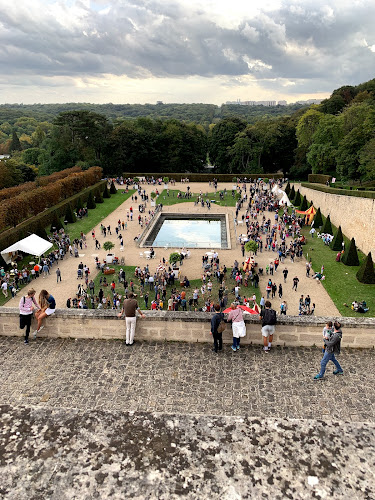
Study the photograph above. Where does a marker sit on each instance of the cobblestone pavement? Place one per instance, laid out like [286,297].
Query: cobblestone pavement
[185,378]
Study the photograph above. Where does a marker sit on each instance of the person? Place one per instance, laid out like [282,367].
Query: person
[238,325]
[47,305]
[295,283]
[129,308]
[58,274]
[332,347]
[285,273]
[283,307]
[26,307]
[215,322]
[327,332]
[268,318]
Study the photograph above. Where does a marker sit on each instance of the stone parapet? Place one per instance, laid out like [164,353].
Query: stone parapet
[187,327]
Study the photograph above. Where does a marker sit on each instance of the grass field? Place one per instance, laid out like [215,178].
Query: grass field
[228,201]
[129,270]
[341,282]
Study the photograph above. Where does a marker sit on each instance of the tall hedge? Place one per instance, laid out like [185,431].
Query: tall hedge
[56,223]
[319,178]
[350,257]
[70,216]
[318,219]
[341,192]
[327,228]
[365,273]
[336,243]
[199,177]
[106,193]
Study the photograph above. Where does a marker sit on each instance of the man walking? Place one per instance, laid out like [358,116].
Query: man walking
[58,274]
[215,322]
[129,308]
[332,347]
[295,283]
[268,318]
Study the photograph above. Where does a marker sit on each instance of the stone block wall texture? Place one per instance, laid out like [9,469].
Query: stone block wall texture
[187,327]
[355,215]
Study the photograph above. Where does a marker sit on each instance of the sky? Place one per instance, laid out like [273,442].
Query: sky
[182,51]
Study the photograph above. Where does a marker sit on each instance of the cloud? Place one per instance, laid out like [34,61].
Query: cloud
[304,41]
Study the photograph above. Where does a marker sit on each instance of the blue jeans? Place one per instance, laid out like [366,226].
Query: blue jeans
[328,356]
[236,341]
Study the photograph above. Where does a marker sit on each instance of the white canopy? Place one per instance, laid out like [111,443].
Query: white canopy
[33,245]
[285,200]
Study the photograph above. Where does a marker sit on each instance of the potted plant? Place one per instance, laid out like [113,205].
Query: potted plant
[234,180]
[166,180]
[108,245]
[251,246]
[153,196]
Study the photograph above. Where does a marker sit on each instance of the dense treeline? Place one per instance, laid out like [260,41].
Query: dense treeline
[334,138]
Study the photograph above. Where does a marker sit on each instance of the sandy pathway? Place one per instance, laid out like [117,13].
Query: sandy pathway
[191,267]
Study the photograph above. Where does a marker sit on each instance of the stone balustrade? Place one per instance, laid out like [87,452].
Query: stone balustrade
[187,327]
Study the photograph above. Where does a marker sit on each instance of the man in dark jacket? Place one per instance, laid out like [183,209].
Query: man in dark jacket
[215,322]
[332,347]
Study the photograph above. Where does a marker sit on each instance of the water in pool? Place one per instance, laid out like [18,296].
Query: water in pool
[189,233]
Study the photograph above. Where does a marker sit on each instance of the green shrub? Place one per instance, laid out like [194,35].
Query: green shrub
[99,197]
[365,273]
[79,205]
[251,246]
[112,188]
[292,194]
[319,178]
[106,193]
[90,201]
[318,219]
[174,257]
[342,192]
[287,189]
[56,223]
[327,228]
[336,243]
[108,245]
[199,177]
[165,180]
[350,257]
[70,216]
[297,199]
[304,205]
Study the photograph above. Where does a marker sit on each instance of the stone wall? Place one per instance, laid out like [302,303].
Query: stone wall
[355,215]
[187,327]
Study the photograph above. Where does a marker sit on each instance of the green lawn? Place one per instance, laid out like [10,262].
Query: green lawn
[341,282]
[228,201]
[96,215]
[230,283]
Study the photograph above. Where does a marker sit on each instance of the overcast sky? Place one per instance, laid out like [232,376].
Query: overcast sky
[210,51]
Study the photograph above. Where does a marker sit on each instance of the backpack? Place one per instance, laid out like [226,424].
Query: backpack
[222,326]
[270,317]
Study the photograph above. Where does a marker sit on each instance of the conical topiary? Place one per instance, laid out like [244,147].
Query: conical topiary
[70,216]
[287,189]
[106,193]
[112,189]
[304,205]
[327,228]
[90,201]
[99,197]
[41,231]
[297,200]
[350,257]
[336,243]
[365,273]
[318,220]
[79,205]
[292,194]
[56,223]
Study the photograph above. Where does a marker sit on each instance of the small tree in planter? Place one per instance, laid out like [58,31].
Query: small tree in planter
[365,273]
[174,258]
[165,180]
[266,180]
[327,228]
[90,201]
[135,180]
[350,257]
[106,193]
[153,196]
[108,245]
[113,189]
[251,246]
[70,215]
[336,243]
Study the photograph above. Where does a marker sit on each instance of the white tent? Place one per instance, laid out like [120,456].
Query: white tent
[285,200]
[33,245]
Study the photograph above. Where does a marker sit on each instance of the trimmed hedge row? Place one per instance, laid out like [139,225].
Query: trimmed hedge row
[319,178]
[39,222]
[342,192]
[201,177]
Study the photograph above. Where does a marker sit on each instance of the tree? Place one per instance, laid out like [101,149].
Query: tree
[41,231]
[174,258]
[79,205]
[297,199]
[327,228]
[350,257]
[165,180]
[221,138]
[56,224]
[106,193]
[304,205]
[112,188]
[70,216]
[318,219]
[251,246]
[365,273]
[287,189]
[108,245]
[90,201]
[15,145]
[99,197]
[292,194]
[336,243]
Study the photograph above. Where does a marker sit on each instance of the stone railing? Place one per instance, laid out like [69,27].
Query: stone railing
[187,327]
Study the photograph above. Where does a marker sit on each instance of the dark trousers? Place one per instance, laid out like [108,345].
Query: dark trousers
[25,320]
[218,341]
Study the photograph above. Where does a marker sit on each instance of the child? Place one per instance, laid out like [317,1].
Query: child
[327,332]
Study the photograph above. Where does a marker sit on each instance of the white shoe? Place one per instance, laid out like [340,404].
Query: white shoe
[34,334]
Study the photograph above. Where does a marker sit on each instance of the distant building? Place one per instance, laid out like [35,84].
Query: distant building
[252,103]
[310,101]
[159,102]
[282,103]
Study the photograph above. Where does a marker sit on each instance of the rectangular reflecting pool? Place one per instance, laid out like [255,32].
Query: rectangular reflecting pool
[189,231]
